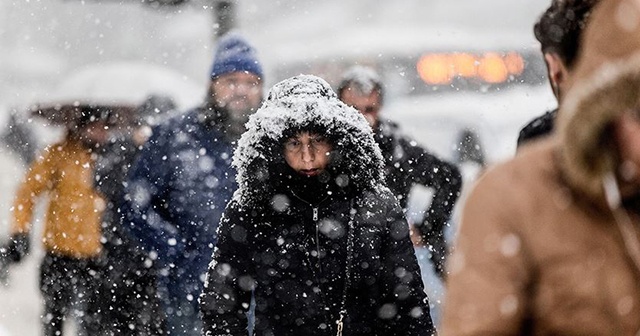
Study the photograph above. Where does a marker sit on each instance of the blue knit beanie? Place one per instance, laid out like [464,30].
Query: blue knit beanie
[235,54]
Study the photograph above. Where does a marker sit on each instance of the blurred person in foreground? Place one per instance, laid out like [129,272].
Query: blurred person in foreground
[559,31]
[312,230]
[549,242]
[406,163]
[130,304]
[178,187]
[71,269]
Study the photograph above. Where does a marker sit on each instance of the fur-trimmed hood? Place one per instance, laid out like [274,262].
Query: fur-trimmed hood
[605,85]
[304,102]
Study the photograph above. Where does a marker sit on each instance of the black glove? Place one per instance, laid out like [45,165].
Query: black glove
[18,247]
[438,248]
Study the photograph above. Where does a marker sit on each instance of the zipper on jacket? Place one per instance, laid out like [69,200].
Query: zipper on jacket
[315,216]
[318,242]
[314,207]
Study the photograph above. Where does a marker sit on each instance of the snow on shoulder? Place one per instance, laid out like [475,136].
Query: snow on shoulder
[305,102]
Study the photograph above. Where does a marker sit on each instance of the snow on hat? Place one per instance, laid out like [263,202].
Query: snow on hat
[365,78]
[235,54]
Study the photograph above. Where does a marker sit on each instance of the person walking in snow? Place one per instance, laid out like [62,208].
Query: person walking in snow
[182,179]
[313,231]
[559,32]
[129,302]
[406,163]
[71,268]
[550,242]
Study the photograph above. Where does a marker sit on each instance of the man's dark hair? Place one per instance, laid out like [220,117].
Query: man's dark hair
[559,29]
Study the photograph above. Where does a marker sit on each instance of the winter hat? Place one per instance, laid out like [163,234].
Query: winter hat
[235,54]
[606,84]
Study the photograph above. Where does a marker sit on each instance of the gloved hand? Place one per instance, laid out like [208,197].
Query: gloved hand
[18,247]
[438,248]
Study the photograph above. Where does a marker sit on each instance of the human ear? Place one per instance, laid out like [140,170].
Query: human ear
[558,73]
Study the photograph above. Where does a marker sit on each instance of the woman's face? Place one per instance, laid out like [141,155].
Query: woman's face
[307,153]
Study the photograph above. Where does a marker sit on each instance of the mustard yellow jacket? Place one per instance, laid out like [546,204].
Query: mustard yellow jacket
[72,224]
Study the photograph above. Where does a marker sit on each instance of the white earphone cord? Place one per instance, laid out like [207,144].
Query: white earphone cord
[622,219]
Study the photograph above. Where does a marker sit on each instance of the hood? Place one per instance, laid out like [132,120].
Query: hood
[305,102]
[605,85]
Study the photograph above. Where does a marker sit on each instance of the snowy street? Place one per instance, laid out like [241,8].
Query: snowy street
[21,304]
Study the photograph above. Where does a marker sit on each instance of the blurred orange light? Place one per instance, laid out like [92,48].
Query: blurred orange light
[492,68]
[514,63]
[435,69]
[465,65]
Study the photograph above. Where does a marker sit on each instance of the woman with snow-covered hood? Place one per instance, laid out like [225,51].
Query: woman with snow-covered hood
[312,230]
[549,242]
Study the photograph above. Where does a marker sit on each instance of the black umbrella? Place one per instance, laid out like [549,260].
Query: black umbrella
[76,113]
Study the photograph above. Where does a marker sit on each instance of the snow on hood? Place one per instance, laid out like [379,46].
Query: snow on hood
[305,102]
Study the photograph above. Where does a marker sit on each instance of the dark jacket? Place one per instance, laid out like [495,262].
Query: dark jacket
[539,127]
[129,300]
[408,164]
[176,193]
[287,237]
[112,165]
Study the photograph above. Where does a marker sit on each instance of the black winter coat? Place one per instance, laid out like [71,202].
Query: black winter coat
[538,127]
[286,237]
[111,170]
[299,293]
[408,164]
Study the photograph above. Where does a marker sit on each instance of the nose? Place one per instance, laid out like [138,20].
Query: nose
[244,88]
[308,155]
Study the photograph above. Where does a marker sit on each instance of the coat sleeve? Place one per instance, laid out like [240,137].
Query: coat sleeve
[145,208]
[405,301]
[230,278]
[39,178]
[490,268]
[446,181]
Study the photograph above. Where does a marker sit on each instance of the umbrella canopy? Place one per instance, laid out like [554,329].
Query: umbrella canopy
[81,113]
[114,91]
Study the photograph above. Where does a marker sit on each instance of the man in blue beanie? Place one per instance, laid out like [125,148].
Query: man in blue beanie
[182,180]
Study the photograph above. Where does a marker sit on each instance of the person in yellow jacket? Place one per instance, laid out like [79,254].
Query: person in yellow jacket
[70,270]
